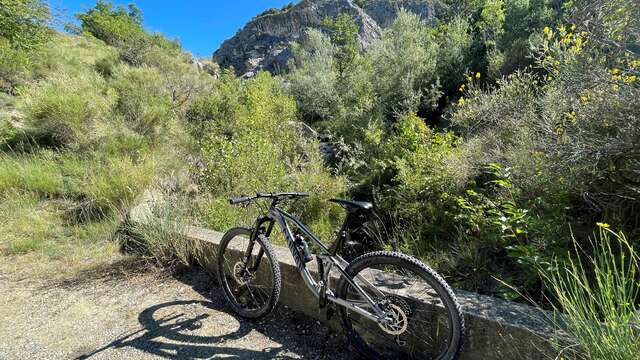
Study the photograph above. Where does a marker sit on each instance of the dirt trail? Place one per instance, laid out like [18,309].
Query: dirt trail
[147,316]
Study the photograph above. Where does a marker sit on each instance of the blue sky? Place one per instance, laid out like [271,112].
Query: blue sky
[200,25]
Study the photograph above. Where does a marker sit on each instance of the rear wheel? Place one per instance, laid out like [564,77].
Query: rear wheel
[426,321]
[252,286]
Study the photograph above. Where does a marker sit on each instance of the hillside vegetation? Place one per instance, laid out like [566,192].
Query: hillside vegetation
[83,133]
[92,119]
[493,145]
[485,140]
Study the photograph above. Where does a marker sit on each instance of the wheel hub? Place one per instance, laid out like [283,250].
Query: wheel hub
[241,275]
[399,321]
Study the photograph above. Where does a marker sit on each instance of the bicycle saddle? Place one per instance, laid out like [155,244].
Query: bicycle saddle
[353,206]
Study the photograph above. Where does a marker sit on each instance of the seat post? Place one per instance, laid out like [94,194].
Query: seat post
[342,234]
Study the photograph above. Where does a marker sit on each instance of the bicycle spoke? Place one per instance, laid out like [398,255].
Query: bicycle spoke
[412,302]
[248,282]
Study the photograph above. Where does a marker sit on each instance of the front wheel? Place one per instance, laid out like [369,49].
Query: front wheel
[426,320]
[250,284]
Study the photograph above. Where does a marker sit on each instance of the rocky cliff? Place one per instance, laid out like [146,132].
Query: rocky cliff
[264,42]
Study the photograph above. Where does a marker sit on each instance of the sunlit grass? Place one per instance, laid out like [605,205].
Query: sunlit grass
[598,297]
[38,241]
[40,174]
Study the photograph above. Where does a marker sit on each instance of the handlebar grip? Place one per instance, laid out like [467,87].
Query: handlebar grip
[238,200]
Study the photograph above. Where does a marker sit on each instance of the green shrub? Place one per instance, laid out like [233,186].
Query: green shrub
[112,25]
[405,66]
[455,41]
[360,3]
[255,143]
[597,290]
[143,100]
[313,77]
[115,183]
[269,11]
[258,135]
[106,66]
[122,28]
[182,80]
[589,113]
[65,110]
[493,215]
[425,167]
[503,116]
[14,67]
[343,32]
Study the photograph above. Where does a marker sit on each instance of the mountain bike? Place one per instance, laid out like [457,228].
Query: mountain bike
[391,305]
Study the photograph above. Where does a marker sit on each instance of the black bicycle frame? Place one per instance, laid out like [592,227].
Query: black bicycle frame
[325,260]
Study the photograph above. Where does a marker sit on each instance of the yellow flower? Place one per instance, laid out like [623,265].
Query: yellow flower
[546,30]
[477,75]
[573,27]
[469,78]
[462,88]
[603,225]
[461,101]
[615,71]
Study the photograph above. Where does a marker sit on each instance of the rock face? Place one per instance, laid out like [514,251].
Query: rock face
[264,42]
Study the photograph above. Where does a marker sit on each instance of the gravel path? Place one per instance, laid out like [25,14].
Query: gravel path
[147,316]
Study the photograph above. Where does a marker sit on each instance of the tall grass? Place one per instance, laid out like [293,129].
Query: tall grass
[65,109]
[159,237]
[39,173]
[598,296]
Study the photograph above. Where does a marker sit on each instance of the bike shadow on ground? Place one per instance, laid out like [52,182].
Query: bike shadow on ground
[177,330]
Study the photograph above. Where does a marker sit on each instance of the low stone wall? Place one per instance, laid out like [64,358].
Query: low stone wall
[497,329]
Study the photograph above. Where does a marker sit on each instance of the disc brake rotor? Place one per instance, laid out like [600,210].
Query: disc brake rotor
[240,274]
[399,321]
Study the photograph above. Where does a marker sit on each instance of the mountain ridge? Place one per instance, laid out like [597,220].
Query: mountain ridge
[264,42]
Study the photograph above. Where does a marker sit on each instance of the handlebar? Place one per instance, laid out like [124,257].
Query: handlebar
[275,196]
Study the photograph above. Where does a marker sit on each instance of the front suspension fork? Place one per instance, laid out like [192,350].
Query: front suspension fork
[258,230]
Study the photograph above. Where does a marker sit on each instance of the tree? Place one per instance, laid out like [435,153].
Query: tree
[24,23]
[343,32]
[313,77]
[113,25]
[405,62]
